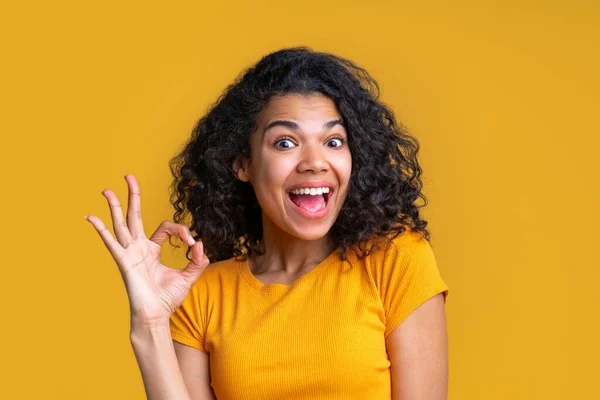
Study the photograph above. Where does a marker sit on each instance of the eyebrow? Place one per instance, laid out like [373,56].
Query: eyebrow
[292,125]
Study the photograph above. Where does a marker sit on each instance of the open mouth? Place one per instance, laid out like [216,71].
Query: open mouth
[312,200]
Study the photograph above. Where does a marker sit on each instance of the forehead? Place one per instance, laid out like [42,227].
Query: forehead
[299,107]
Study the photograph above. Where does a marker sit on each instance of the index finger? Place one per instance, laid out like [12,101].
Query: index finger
[134,208]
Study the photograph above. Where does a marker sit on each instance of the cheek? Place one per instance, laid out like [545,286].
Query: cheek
[343,167]
[269,176]
[268,180]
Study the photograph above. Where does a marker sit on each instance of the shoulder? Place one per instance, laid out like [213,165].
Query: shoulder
[409,238]
[218,271]
[208,289]
[222,267]
[399,257]
[412,245]
[409,244]
[405,273]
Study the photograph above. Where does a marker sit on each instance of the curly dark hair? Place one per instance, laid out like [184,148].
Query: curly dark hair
[385,179]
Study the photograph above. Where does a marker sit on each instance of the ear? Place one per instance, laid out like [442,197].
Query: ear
[240,169]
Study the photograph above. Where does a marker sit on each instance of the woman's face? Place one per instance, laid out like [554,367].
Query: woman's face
[300,165]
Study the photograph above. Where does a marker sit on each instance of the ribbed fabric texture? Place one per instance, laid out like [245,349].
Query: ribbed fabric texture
[322,337]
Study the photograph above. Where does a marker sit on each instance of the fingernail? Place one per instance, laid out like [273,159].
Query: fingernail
[85,217]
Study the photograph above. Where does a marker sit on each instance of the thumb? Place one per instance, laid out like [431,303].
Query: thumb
[197,265]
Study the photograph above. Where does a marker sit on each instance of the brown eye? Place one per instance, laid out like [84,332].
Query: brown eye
[284,144]
[335,142]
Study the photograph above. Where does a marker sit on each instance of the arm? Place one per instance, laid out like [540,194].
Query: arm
[153,348]
[195,369]
[155,291]
[170,370]
[418,351]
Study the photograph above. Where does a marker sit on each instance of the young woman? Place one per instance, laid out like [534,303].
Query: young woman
[299,188]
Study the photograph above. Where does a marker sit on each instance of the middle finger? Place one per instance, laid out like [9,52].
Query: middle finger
[119,224]
[134,212]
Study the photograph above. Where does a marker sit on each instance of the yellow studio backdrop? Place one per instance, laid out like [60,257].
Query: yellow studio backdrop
[502,96]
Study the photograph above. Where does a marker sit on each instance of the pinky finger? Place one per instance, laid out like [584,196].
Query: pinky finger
[109,241]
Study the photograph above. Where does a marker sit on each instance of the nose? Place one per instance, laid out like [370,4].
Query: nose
[313,159]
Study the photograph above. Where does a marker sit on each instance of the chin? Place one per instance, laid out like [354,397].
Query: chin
[311,235]
[309,231]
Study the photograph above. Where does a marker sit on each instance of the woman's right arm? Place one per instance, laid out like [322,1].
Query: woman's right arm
[155,292]
[170,370]
[153,348]
[195,369]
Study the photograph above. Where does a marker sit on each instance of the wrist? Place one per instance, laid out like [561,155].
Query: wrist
[144,325]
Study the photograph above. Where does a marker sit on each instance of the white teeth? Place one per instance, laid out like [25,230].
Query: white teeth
[311,191]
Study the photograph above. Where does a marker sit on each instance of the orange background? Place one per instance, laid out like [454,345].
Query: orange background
[503,97]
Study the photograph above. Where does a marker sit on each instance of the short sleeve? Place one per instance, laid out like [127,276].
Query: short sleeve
[187,323]
[408,276]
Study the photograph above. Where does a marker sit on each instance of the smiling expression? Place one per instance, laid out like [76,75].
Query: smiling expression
[300,164]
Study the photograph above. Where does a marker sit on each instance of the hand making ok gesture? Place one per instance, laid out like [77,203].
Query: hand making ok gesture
[154,290]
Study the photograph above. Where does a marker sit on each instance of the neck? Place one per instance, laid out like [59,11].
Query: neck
[288,254]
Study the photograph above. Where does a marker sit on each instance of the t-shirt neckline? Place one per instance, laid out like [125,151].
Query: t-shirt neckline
[244,270]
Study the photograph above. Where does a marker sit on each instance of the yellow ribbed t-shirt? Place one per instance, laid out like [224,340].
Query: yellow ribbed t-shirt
[321,337]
